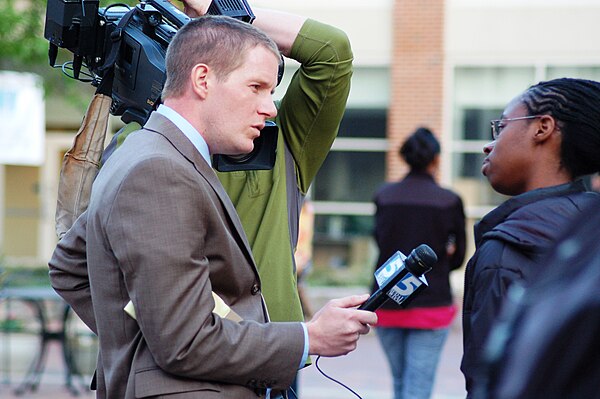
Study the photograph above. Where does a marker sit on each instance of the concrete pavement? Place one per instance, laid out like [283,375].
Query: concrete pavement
[364,370]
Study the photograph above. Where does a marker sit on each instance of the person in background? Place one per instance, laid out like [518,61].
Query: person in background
[545,141]
[303,262]
[303,256]
[411,212]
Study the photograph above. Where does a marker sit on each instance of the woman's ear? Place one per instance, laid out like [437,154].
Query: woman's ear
[546,125]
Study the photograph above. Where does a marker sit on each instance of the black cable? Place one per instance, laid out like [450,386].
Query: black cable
[115,5]
[290,389]
[334,380]
[68,66]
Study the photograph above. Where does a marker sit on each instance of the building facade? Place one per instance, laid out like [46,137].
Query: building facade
[451,65]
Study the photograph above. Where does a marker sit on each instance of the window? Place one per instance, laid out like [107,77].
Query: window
[364,123]
[476,126]
[354,168]
[588,72]
[344,187]
[480,95]
[349,176]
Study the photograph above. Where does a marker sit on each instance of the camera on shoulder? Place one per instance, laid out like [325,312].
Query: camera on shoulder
[123,49]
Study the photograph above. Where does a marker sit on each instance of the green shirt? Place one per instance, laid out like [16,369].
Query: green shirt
[268,201]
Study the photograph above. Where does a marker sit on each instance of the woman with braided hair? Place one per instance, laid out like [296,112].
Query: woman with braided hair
[546,140]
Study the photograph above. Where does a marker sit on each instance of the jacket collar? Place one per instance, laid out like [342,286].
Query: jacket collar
[419,174]
[160,124]
[499,214]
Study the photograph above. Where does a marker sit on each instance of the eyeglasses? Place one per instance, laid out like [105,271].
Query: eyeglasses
[497,124]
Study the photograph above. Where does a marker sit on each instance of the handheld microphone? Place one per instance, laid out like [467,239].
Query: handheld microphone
[401,277]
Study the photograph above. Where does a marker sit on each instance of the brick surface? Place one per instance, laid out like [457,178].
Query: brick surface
[417,73]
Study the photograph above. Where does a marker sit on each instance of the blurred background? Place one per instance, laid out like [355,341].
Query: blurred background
[451,65]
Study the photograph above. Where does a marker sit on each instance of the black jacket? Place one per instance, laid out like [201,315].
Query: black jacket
[418,211]
[549,341]
[510,243]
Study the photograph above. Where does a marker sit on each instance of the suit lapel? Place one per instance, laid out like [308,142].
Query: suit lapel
[163,126]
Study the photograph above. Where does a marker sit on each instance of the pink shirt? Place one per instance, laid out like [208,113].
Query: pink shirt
[419,318]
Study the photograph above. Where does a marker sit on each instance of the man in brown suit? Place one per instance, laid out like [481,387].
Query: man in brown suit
[163,235]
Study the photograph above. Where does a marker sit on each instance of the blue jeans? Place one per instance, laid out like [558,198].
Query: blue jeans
[413,356]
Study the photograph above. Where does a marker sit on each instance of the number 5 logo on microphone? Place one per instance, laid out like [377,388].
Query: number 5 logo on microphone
[405,288]
[407,285]
[389,268]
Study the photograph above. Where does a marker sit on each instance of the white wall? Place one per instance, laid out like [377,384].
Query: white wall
[504,32]
[368,24]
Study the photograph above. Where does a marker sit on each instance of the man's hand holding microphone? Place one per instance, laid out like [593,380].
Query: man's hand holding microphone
[335,329]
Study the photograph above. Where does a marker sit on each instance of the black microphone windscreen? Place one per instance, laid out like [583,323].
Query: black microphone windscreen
[421,259]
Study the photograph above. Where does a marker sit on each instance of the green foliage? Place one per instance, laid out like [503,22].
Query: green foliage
[23,48]
[104,3]
[22,32]
[3,274]
[11,325]
[20,276]
[339,276]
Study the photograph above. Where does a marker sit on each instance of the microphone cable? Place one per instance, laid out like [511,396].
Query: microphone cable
[291,390]
[334,380]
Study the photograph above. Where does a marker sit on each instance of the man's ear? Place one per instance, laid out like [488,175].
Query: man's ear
[546,125]
[199,79]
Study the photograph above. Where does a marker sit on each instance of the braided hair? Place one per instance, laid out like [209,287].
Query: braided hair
[575,105]
[420,149]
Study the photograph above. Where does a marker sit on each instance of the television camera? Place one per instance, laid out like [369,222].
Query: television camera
[123,49]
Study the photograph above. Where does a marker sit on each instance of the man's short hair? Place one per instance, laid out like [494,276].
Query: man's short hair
[220,42]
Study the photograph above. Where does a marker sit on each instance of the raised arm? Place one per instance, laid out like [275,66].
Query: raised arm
[282,27]
[313,106]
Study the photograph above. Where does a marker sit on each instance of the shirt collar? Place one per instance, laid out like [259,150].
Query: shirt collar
[187,129]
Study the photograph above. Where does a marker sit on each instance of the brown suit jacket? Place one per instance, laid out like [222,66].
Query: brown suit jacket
[162,233]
